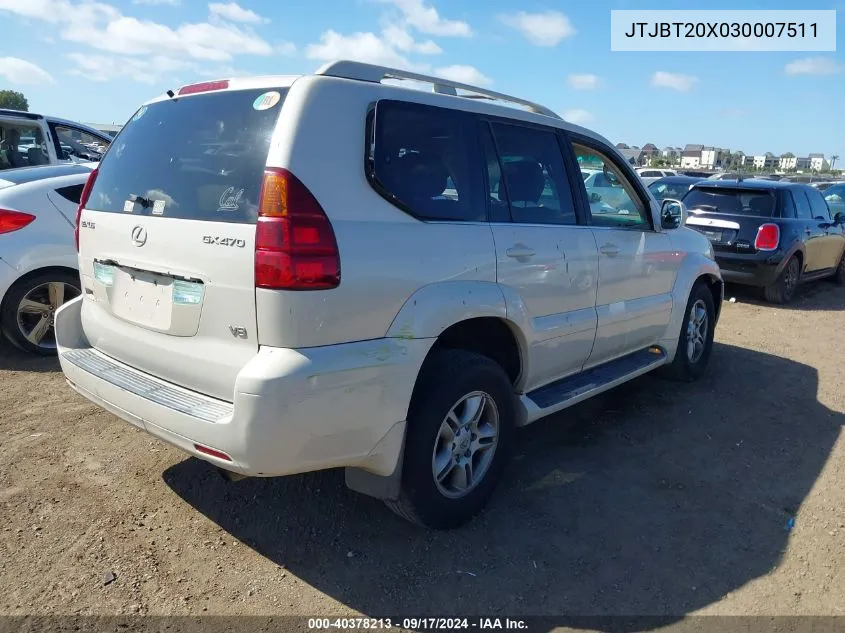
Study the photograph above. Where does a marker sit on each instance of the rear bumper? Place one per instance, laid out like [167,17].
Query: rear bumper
[292,411]
[755,269]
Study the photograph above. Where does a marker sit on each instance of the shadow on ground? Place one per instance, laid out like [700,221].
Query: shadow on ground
[12,359]
[821,295]
[657,499]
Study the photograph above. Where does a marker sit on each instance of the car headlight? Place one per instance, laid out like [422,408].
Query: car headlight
[708,251]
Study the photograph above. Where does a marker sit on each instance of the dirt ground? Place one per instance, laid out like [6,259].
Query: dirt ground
[721,497]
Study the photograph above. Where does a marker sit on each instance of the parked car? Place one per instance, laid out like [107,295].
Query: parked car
[674,187]
[28,139]
[38,263]
[834,196]
[769,234]
[650,174]
[271,311]
[732,175]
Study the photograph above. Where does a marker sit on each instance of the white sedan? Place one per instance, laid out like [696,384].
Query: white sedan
[38,261]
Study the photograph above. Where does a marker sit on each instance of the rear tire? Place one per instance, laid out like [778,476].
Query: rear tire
[695,343]
[783,289]
[27,328]
[438,490]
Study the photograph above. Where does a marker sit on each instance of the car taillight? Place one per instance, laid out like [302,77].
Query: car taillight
[13,220]
[295,246]
[83,200]
[768,237]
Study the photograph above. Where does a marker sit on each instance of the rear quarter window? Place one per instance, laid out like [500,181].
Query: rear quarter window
[199,157]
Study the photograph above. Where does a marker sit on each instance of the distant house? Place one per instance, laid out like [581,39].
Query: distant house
[803,163]
[740,159]
[765,161]
[633,156]
[712,157]
[818,162]
[669,153]
[691,156]
[622,146]
[788,161]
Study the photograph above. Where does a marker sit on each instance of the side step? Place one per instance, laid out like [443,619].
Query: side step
[574,389]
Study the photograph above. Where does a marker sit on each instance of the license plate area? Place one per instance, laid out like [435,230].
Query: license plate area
[151,300]
[713,236]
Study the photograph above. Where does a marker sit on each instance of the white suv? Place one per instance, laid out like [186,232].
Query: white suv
[286,274]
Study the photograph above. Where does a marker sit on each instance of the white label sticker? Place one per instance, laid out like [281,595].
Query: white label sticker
[266,100]
[129,206]
[230,200]
[158,207]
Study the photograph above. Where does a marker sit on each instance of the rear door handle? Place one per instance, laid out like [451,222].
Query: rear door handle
[519,251]
[611,250]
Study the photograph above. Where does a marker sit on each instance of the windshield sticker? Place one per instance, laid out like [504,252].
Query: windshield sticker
[158,207]
[266,100]
[129,206]
[230,200]
[140,113]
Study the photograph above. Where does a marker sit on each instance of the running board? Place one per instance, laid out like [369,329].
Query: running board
[571,390]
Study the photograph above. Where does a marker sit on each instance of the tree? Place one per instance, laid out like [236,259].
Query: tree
[833,160]
[13,100]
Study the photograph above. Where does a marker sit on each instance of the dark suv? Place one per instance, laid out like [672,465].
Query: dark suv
[769,234]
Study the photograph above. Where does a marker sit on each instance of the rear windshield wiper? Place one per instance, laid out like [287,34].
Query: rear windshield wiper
[706,207]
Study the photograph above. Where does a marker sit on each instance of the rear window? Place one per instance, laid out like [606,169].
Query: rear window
[200,157]
[662,190]
[733,201]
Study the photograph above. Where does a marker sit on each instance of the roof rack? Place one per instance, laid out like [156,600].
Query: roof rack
[375,74]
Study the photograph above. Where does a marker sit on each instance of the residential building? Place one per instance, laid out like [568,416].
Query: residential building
[802,163]
[788,161]
[622,146]
[634,156]
[818,162]
[765,161]
[691,156]
[670,153]
[712,157]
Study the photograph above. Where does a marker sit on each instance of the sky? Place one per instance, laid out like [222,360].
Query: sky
[98,60]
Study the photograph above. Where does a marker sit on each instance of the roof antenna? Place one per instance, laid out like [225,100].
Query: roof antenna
[170,94]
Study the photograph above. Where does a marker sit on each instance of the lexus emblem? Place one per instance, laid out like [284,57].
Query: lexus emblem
[139,235]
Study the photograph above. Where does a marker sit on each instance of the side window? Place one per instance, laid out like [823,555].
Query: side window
[534,175]
[651,174]
[424,160]
[75,143]
[835,194]
[819,206]
[802,205]
[73,193]
[614,202]
[22,145]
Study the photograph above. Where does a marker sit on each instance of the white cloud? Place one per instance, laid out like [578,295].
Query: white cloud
[235,13]
[583,82]
[542,29]
[400,39]
[103,27]
[814,66]
[578,117]
[464,74]
[172,3]
[681,83]
[148,70]
[20,71]
[363,47]
[426,19]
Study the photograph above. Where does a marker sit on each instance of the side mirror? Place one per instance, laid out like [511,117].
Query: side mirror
[673,214]
[594,197]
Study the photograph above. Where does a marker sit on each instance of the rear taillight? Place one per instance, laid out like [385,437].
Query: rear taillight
[295,246]
[206,86]
[13,220]
[768,237]
[83,200]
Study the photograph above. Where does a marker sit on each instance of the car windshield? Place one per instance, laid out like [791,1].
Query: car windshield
[755,202]
[835,193]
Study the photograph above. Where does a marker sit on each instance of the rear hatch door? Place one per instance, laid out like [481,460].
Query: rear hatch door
[730,216]
[167,238]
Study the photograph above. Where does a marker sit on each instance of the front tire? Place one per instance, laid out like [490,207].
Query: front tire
[460,427]
[783,289]
[695,343]
[29,308]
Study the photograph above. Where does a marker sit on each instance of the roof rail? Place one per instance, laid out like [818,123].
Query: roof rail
[370,72]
